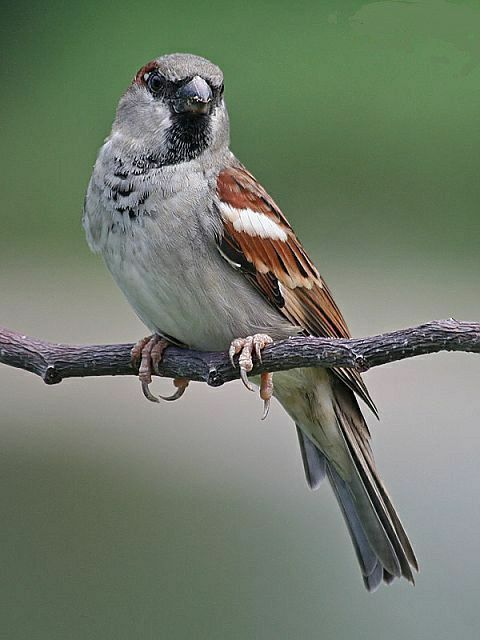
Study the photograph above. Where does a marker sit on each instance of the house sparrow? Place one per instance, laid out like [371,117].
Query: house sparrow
[207,260]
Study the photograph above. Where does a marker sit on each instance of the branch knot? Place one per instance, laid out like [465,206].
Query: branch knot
[51,375]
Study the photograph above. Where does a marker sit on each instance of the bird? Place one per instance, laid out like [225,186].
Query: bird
[208,261]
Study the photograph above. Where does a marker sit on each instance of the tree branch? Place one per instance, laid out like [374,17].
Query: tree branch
[54,362]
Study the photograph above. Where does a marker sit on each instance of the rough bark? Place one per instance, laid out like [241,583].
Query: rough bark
[54,362]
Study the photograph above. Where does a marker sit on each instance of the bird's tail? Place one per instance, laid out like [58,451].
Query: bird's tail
[382,547]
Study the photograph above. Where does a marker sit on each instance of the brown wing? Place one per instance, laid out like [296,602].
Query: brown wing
[258,239]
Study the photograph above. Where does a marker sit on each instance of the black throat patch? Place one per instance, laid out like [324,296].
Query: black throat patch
[187,137]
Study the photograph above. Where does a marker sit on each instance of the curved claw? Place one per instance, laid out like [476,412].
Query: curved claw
[150,351]
[266,408]
[175,395]
[266,392]
[148,394]
[244,378]
[246,347]
[181,386]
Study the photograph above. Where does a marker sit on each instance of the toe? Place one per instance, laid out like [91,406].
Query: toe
[246,347]
[266,392]
[235,347]
[157,351]
[245,359]
[150,352]
[136,352]
[260,341]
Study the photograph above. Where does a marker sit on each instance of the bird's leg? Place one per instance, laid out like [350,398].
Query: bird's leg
[246,347]
[149,351]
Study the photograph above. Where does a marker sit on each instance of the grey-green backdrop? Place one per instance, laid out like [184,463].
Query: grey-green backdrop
[122,519]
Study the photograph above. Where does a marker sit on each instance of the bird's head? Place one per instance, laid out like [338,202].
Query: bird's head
[174,109]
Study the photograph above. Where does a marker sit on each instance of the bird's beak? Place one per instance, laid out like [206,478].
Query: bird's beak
[193,97]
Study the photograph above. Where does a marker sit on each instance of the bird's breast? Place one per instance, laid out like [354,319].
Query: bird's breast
[159,244]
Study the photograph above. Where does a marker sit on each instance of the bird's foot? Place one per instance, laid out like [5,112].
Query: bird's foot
[149,351]
[246,347]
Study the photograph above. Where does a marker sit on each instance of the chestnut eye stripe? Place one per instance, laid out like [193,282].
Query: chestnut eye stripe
[145,71]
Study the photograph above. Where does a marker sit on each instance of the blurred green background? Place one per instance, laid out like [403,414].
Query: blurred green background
[121,519]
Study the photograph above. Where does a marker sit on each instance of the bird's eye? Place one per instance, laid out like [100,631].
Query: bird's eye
[154,82]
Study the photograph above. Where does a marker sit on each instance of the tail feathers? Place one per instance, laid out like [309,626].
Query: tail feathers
[372,569]
[316,467]
[369,491]
[314,462]
[381,544]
